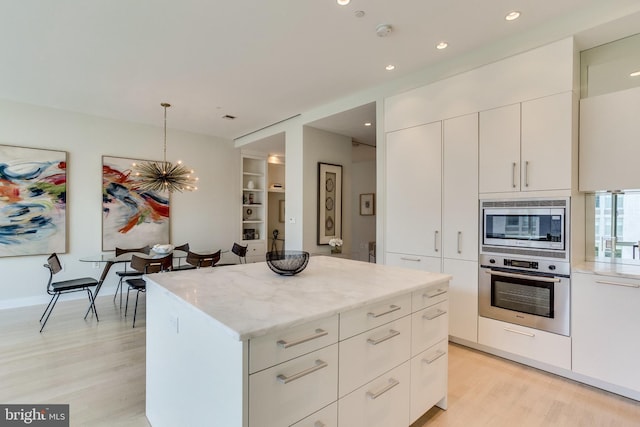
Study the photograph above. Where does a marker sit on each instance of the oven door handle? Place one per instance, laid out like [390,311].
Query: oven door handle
[523,276]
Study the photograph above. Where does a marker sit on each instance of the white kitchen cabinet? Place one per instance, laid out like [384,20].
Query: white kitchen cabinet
[547,143]
[383,402]
[529,146]
[499,149]
[609,149]
[460,188]
[605,319]
[429,379]
[414,182]
[326,417]
[534,344]
[415,262]
[463,298]
[286,393]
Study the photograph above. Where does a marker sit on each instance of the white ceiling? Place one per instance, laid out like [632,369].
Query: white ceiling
[261,61]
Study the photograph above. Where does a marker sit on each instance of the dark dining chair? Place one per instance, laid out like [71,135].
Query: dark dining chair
[241,251]
[55,289]
[125,274]
[203,260]
[138,284]
[184,248]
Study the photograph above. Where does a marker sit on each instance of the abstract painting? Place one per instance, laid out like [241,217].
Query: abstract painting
[131,217]
[33,201]
[329,202]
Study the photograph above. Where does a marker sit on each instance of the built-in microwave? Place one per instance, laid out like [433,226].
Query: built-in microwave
[531,227]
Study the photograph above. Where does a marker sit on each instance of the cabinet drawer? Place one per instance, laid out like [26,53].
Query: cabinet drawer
[365,356]
[364,318]
[278,347]
[429,296]
[382,402]
[326,417]
[534,344]
[428,379]
[415,262]
[286,393]
[428,326]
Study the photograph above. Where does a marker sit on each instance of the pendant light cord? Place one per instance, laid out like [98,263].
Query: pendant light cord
[165,105]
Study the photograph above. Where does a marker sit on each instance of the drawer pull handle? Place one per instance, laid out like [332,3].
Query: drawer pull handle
[438,313]
[318,334]
[626,285]
[319,424]
[392,383]
[391,309]
[406,258]
[435,293]
[286,380]
[528,334]
[438,355]
[391,334]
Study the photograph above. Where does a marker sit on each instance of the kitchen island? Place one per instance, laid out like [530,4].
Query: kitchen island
[343,343]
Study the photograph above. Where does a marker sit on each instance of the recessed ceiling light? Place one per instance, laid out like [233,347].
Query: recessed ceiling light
[368,124]
[442,45]
[390,67]
[635,74]
[343,2]
[512,16]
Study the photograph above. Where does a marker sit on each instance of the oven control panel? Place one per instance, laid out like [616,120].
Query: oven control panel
[538,265]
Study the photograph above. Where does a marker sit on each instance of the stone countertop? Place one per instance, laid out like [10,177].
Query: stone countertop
[629,271]
[250,300]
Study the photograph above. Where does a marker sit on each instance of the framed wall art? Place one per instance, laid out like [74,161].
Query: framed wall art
[33,201]
[131,217]
[281,213]
[329,202]
[367,204]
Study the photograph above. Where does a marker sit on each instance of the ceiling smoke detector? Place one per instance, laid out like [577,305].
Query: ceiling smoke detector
[383,30]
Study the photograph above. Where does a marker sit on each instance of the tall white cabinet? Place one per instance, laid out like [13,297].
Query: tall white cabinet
[432,208]
[414,178]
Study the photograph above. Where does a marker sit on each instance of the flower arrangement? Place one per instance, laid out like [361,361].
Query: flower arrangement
[336,245]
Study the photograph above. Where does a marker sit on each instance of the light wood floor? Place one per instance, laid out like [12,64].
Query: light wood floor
[99,369]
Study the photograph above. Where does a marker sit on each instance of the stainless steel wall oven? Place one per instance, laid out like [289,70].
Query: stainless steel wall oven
[524,263]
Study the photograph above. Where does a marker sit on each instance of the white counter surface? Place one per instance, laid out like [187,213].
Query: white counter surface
[608,269]
[251,300]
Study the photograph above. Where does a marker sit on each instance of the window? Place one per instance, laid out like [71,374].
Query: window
[616,226]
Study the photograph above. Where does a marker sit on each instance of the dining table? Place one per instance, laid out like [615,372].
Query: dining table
[109,259]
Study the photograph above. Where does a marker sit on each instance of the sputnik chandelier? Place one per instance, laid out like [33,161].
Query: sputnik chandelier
[165,176]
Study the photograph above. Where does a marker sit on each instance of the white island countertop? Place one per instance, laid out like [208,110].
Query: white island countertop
[250,300]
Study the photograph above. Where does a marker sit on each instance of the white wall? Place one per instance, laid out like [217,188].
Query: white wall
[207,219]
[326,147]
[363,228]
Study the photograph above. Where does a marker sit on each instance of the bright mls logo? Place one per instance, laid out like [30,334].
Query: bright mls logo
[34,415]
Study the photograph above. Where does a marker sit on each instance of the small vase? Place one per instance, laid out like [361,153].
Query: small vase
[336,249]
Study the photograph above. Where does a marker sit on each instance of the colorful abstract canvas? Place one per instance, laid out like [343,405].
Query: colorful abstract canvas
[33,201]
[131,217]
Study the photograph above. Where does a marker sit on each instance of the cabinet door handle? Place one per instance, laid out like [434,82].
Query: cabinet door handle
[438,355]
[459,242]
[438,313]
[520,332]
[374,395]
[526,173]
[513,175]
[318,333]
[318,365]
[406,258]
[390,335]
[435,293]
[626,285]
[435,241]
[391,309]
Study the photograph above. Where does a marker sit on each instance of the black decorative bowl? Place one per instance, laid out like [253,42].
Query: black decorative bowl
[287,263]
